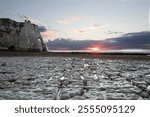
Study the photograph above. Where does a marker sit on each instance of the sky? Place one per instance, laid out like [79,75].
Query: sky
[83,20]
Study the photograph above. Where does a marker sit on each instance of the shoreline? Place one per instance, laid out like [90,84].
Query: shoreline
[132,56]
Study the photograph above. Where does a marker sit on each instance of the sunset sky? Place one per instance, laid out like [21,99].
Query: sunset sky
[81,20]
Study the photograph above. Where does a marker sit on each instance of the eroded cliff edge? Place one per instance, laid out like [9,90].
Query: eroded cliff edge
[20,36]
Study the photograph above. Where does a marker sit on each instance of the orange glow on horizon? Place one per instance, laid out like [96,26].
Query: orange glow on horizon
[95,48]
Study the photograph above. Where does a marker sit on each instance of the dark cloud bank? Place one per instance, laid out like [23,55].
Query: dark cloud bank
[42,29]
[138,40]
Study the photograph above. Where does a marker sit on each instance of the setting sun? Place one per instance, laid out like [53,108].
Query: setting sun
[94,49]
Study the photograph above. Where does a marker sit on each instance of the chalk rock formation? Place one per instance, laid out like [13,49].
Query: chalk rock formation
[20,36]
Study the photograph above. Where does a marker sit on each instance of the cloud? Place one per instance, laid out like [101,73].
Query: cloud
[87,29]
[42,29]
[126,0]
[47,33]
[149,17]
[114,32]
[137,40]
[67,43]
[69,20]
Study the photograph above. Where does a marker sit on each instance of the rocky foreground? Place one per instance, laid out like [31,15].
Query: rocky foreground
[55,78]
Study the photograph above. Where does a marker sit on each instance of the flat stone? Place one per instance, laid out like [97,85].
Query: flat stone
[148,81]
[137,83]
[148,89]
[11,80]
[129,79]
[77,98]
[142,87]
[136,90]
[3,64]
[93,95]
[116,96]
[102,88]
[145,95]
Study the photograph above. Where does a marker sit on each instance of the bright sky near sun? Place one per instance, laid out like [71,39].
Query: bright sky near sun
[80,19]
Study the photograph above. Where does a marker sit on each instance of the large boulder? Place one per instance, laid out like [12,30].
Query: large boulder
[20,36]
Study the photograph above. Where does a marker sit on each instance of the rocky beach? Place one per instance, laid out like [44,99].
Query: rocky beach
[28,71]
[73,78]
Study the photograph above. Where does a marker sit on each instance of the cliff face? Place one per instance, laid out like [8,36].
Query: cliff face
[20,36]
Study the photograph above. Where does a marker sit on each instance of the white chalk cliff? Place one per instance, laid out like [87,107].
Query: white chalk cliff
[20,35]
